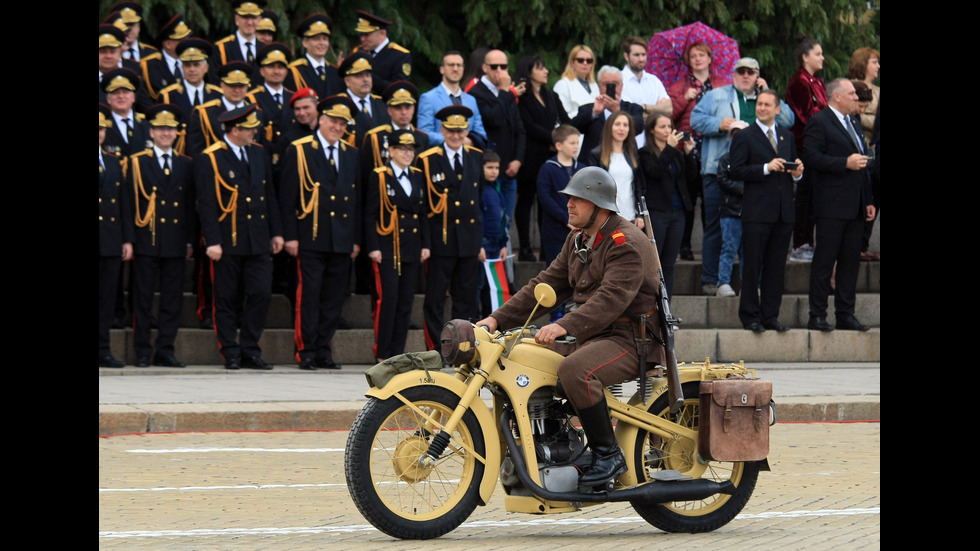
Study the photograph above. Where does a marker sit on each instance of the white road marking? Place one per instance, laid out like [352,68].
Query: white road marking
[249,450]
[475,524]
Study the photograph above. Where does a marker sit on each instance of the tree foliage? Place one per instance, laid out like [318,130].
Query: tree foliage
[768,30]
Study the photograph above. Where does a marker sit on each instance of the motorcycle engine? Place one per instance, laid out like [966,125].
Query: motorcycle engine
[558,445]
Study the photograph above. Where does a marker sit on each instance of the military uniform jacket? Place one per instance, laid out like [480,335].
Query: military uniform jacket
[235,202]
[374,148]
[163,206]
[619,279]
[303,75]
[139,137]
[204,128]
[275,116]
[321,210]
[364,123]
[395,222]
[156,74]
[453,204]
[115,222]
[228,51]
[176,94]
[392,63]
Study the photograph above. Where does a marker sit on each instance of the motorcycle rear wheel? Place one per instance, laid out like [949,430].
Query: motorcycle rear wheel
[390,489]
[654,453]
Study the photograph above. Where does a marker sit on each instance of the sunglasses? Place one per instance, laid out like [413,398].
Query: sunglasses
[586,60]
[497,67]
[745,71]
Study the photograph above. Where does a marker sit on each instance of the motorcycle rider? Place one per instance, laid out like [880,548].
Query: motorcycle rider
[607,268]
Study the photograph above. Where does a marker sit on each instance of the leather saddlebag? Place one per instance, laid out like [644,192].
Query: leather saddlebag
[734,419]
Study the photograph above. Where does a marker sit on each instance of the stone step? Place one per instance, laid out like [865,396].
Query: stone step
[353,346]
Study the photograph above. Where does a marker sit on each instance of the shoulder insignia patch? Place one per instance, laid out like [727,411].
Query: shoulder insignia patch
[437,150]
[398,47]
[618,237]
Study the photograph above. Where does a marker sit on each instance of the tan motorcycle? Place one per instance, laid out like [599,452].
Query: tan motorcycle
[426,448]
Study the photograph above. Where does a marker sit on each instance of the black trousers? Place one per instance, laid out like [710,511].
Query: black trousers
[323,280]
[393,311]
[242,286]
[147,271]
[764,248]
[461,277]
[838,241]
[109,269]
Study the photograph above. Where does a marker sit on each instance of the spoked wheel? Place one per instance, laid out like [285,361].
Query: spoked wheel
[394,491]
[654,453]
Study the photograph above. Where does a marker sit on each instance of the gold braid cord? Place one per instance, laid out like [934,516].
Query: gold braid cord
[391,228]
[232,205]
[297,78]
[150,217]
[440,206]
[376,150]
[181,144]
[307,185]
[209,136]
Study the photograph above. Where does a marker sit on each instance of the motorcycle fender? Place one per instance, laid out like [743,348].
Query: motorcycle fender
[488,427]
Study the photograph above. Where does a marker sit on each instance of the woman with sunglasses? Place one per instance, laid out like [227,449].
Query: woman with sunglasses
[577,85]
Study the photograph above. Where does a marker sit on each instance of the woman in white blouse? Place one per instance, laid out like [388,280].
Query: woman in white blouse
[577,85]
[618,155]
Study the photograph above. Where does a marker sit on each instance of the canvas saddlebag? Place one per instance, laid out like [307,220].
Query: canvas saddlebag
[734,419]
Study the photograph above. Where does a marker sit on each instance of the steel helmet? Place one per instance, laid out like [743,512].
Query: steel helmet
[593,184]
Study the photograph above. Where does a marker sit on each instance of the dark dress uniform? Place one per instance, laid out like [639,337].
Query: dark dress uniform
[176,94]
[392,62]
[456,230]
[119,139]
[156,70]
[115,228]
[227,51]
[322,211]
[165,222]
[395,224]
[239,212]
[276,115]
[303,75]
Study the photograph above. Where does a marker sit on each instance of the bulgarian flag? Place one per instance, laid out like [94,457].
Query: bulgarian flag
[497,279]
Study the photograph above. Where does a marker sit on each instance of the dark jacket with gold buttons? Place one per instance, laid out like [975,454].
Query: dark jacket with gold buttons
[392,217]
[321,210]
[115,223]
[453,203]
[164,217]
[237,207]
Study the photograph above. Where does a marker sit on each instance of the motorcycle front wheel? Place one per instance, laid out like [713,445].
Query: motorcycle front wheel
[654,453]
[390,488]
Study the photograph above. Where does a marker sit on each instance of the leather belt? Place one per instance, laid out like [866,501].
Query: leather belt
[631,318]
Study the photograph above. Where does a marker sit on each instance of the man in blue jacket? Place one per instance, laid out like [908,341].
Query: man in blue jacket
[449,92]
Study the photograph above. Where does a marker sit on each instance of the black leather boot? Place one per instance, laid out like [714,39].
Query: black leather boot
[608,460]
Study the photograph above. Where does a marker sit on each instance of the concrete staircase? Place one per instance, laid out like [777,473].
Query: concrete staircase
[710,327]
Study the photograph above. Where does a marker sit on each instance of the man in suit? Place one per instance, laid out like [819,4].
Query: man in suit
[758,158]
[241,223]
[129,132]
[320,196]
[160,192]
[452,173]
[842,202]
[115,239]
[592,117]
[204,129]
[505,129]
[389,61]
[244,44]
[161,69]
[313,70]
[449,92]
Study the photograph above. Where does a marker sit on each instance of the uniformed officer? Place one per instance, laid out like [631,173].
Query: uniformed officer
[272,96]
[452,172]
[161,69]
[608,268]
[129,132]
[204,128]
[313,70]
[191,90]
[111,39]
[267,27]
[320,197]
[244,44]
[131,15]
[371,109]
[115,239]
[390,61]
[160,191]
[396,238]
[241,223]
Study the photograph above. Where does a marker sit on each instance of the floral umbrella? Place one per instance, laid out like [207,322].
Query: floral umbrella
[665,52]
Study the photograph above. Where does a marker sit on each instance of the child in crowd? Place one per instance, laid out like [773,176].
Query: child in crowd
[552,178]
[495,235]
[731,219]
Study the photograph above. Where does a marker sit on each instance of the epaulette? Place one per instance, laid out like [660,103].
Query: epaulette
[148,46]
[382,128]
[257,144]
[143,153]
[300,62]
[398,47]
[212,88]
[154,55]
[228,38]
[471,148]
[414,169]
[140,117]
[344,145]
[618,237]
[216,146]
[386,169]
[304,140]
[212,103]
[175,86]
[107,154]
[375,96]
[255,90]
[436,150]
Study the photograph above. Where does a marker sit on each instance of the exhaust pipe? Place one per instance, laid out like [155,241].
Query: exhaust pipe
[653,492]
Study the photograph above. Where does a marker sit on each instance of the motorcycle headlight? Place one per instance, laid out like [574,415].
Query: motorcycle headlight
[458,342]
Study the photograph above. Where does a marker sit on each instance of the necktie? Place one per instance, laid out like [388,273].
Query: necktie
[333,164]
[457,100]
[364,108]
[248,55]
[177,74]
[322,72]
[166,163]
[772,140]
[129,131]
[197,98]
[241,155]
[278,98]
[854,136]
[458,166]
[132,53]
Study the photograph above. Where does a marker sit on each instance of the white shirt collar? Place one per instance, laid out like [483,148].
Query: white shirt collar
[316,64]
[452,152]
[241,44]
[381,46]
[459,91]
[766,129]
[273,91]
[490,85]
[171,61]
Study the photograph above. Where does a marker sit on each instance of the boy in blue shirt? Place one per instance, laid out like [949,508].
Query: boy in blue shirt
[495,235]
[552,178]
